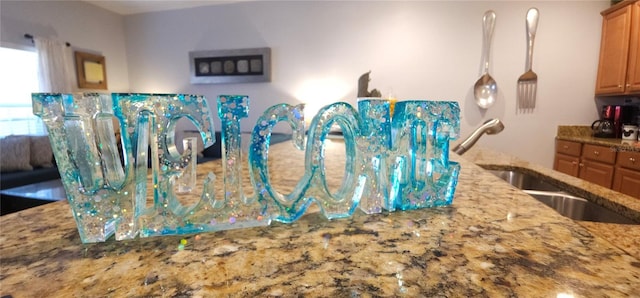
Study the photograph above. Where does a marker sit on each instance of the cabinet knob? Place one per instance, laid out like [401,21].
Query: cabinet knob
[632,160]
[619,86]
[565,147]
[581,164]
[628,85]
[574,163]
[596,153]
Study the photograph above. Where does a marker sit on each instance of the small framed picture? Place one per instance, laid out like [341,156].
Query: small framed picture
[230,66]
[91,71]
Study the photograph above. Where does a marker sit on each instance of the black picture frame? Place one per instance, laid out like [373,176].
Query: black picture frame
[230,66]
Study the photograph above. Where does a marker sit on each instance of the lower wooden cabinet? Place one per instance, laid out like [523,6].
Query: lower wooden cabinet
[569,165]
[596,172]
[601,165]
[627,182]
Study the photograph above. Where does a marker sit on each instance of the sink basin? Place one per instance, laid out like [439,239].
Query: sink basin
[524,181]
[561,201]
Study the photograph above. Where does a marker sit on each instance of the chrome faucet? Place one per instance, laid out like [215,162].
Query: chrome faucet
[490,127]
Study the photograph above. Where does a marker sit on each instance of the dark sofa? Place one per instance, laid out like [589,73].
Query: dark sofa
[21,178]
[24,160]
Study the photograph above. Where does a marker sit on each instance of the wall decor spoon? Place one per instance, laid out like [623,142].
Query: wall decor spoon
[485,89]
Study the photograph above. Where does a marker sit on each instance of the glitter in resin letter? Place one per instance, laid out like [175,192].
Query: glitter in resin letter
[82,137]
[313,186]
[278,203]
[235,210]
[423,131]
[374,145]
[153,117]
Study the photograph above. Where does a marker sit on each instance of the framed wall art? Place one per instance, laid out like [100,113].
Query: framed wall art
[230,66]
[91,71]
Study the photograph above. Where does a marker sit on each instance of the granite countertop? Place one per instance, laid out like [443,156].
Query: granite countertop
[626,237]
[494,240]
[583,134]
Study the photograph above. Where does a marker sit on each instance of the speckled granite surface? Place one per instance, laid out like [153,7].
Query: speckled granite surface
[626,237]
[494,241]
[579,133]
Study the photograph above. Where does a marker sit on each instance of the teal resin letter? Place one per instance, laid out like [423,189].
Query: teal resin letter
[375,144]
[82,137]
[278,203]
[422,131]
[148,121]
[313,185]
[234,210]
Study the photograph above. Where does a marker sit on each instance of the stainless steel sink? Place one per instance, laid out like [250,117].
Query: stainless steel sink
[563,202]
[524,181]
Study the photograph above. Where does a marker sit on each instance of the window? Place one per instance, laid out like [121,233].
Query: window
[18,79]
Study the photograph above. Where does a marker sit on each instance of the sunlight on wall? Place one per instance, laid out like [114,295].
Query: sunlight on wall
[317,93]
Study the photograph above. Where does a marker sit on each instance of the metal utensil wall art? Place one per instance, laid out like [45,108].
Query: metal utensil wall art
[398,161]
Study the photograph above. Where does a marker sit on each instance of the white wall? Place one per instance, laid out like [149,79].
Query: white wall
[87,27]
[417,50]
[425,49]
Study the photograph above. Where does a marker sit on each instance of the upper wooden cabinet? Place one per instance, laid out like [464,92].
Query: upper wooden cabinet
[619,65]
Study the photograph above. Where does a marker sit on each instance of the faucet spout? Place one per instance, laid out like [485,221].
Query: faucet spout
[490,127]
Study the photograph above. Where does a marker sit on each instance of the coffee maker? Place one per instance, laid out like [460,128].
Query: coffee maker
[611,120]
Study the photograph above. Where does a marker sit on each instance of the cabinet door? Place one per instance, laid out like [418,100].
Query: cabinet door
[566,164]
[614,51]
[633,72]
[596,172]
[627,182]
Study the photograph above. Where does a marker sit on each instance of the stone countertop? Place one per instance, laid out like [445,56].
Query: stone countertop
[583,134]
[494,240]
[626,237]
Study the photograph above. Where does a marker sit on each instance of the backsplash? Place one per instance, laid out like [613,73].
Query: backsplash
[572,131]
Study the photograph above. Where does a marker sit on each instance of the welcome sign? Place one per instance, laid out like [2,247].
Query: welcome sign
[398,161]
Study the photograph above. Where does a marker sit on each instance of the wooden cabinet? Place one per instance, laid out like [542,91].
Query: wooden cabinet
[567,164]
[602,165]
[619,63]
[603,154]
[627,182]
[568,148]
[629,160]
[627,174]
[596,164]
[596,172]
[567,158]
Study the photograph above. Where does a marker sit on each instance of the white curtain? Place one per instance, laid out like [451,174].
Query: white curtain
[55,66]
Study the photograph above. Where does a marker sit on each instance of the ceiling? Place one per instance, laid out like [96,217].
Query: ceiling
[134,7]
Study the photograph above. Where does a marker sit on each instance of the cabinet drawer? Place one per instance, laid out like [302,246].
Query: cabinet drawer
[568,147]
[599,153]
[629,159]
